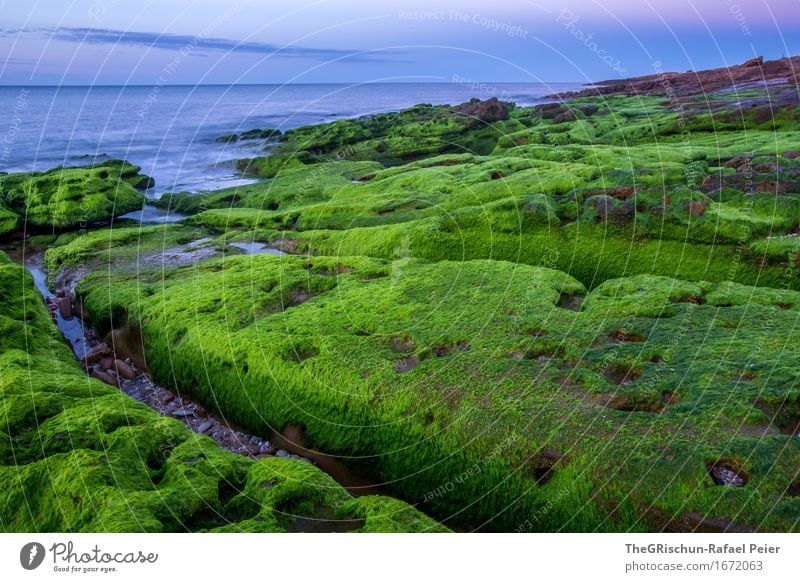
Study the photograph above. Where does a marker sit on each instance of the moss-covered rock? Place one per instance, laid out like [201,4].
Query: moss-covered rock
[485,391]
[70,198]
[79,455]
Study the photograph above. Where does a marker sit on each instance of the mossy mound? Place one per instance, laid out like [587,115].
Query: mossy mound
[70,198]
[394,138]
[79,455]
[496,395]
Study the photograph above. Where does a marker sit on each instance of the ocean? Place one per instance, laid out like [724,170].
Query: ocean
[170,131]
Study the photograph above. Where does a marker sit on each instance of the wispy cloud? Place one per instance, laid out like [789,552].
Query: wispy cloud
[200,44]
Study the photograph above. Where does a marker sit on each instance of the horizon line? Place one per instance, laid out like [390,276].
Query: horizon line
[464,84]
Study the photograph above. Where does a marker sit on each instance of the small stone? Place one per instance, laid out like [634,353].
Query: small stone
[169,397]
[283,454]
[182,413]
[204,427]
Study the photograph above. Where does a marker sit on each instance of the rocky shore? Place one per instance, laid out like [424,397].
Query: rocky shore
[484,309]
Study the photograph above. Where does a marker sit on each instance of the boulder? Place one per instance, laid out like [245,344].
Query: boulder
[486,111]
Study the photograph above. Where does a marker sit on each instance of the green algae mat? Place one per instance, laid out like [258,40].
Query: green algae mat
[570,317]
[79,455]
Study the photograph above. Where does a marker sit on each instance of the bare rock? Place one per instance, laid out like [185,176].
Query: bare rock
[124,370]
[697,207]
[65,307]
[103,376]
[97,353]
[486,111]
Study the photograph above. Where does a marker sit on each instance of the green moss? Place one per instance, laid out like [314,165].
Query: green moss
[65,198]
[79,455]
[477,389]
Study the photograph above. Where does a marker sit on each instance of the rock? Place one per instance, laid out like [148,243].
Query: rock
[486,111]
[736,162]
[260,134]
[96,354]
[754,71]
[756,62]
[66,198]
[229,138]
[169,397]
[65,307]
[697,207]
[103,376]
[124,370]
[283,454]
[181,413]
[724,474]
[205,427]
[792,155]
[106,363]
[568,115]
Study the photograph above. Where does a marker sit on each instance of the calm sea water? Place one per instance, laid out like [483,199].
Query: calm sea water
[170,132]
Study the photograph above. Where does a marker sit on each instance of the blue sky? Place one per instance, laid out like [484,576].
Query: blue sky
[277,41]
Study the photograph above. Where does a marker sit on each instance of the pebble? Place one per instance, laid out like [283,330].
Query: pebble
[283,454]
[204,427]
[182,413]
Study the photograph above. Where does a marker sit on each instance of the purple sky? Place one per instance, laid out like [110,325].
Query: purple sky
[277,41]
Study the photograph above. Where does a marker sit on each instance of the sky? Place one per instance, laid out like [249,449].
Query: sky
[170,42]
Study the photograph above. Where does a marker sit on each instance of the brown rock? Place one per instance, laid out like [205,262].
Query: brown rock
[103,376]
[697,207]
[97,353]
[486,111]
[689,83]
[756,62]
[737,161]
[124,370]
[792,155]
[65,307]
[568,115]
[106,363]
